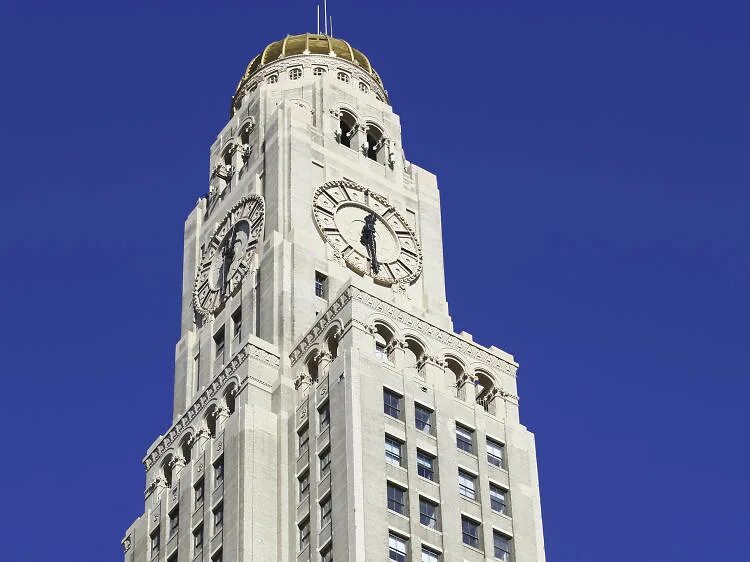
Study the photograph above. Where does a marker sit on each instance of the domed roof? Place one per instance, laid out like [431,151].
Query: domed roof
[308,44]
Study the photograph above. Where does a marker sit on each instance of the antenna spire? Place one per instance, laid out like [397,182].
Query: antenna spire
[325,15]
[318,18]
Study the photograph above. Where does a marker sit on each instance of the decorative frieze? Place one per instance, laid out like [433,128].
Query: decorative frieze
[249,350]
[466,348]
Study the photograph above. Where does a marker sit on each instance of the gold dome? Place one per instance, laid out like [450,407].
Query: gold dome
[307,44]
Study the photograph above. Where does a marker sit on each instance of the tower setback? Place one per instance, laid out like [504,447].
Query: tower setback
[324,409]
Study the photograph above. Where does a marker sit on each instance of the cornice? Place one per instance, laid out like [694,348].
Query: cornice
[248,350]
[449,339]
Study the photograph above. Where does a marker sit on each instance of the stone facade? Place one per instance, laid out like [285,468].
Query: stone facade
[278,447]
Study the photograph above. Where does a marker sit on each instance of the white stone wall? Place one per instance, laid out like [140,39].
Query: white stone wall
[281,143]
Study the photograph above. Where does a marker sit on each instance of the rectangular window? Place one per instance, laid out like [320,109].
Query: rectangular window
[423,418]
[392,451]
[219,348]
[324,417]
[198,537]
[219,472]
[198,489]
[428,513]
[396,498]
[304,534]
[499,499]
[218,517]
[391,403]
[172,557]
[304,441]
[429,555]
[495,453]
[304,484]
[425,466]
[326,555]
[396,548]
[325,462]
[174,521]
[325,512]
[155,543]
[467,484]
[236,327]
[321,285]
[470,532]
[465,439]
[502,546]
[218,556]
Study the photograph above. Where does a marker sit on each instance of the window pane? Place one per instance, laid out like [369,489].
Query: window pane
[498,500]
[396,548]
[424,465]
[470,532]
[466,485]
[464,439]
[429,555]
[396,499]
[392,451]
[391,404]
[494,453]
[502,546]
[428,513]
[423,418]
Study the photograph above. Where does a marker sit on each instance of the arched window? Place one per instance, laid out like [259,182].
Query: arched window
[457,370]
[347,127]
[227,156]
[343,76]
[363,87]
[484,385]
[319,71]
[229,399]
[186,449]
[383,338]
[272,79]
[211,421]
[378,97]
[245,134]
[332,343]
[312,367]
[375,144]
[167,470]
[412,354]
[295,74]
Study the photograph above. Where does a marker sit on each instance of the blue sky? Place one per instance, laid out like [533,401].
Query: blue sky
[593,164]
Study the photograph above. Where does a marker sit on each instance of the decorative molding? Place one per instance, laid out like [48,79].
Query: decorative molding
[448,339]
[127,542]
[324,320]
[249,350]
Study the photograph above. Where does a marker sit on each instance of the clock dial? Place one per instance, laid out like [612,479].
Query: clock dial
[367,232]
[228,255]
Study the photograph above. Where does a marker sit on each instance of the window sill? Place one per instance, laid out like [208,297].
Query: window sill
[469,500]
[432,482]
[397,514]
[473,548]
[467,454]
[437,531]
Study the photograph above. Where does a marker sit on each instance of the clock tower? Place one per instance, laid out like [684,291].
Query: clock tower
[324,408]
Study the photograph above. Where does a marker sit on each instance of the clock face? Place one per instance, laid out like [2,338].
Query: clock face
[229,255]
[367,232]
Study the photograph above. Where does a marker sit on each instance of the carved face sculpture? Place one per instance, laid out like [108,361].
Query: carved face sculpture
[368,233]
[229,255]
